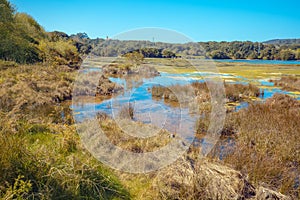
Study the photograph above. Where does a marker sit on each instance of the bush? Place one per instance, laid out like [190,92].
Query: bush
[16,44]
[59,53]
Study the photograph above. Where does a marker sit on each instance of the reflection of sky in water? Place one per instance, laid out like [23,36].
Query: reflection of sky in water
[90,69]
[242,105]
[266,83]
[146,109]
[157,112]
[269,92]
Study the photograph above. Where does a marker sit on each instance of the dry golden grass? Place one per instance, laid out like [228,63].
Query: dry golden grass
[32,92]
[240,92]
[291,83]
[267,145]
[41,154]
[119,137]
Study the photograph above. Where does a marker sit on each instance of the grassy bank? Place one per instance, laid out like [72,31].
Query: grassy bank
[41,154]
[266,146]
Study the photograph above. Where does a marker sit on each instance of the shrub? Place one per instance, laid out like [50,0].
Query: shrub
[59,53]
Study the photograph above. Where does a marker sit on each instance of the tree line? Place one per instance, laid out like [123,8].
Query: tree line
[212,50]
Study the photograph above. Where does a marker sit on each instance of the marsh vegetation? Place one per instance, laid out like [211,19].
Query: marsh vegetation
[42,155]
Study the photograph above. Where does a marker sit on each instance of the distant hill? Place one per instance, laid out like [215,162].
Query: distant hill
[213,50]
[283,41]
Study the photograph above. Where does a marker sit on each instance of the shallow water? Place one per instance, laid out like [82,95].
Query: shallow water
[149,110]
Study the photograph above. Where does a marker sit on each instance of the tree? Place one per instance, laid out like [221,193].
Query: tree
[168,54]
[6,12]
[219,55]
[16,39]
[29,28]
[287,55]
[298,54]
[238,55]
[253,55]
[59,53]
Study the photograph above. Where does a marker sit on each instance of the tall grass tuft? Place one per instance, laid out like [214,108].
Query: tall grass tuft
[53,167]
[267,145]
[288,83]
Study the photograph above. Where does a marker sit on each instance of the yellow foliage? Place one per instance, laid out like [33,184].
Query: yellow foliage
[29,26]
[59,53]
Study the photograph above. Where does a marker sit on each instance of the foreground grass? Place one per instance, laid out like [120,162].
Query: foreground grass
[267,146]
[41,154]
[53,166]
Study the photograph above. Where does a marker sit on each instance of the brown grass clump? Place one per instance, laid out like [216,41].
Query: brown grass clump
[32,92]
[267,146]
[119,137]
[41,154]
[107,87]
[205,179]
[123,70]
[181,93]
[95,84]
[239,92]
[200,91]
[127,112]
[291,83]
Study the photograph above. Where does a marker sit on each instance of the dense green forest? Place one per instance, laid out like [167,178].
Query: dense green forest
[214,50]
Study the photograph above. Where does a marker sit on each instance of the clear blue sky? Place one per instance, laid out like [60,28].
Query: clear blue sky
[202,20]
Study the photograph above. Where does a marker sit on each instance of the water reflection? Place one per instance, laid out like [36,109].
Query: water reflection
[162,113]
